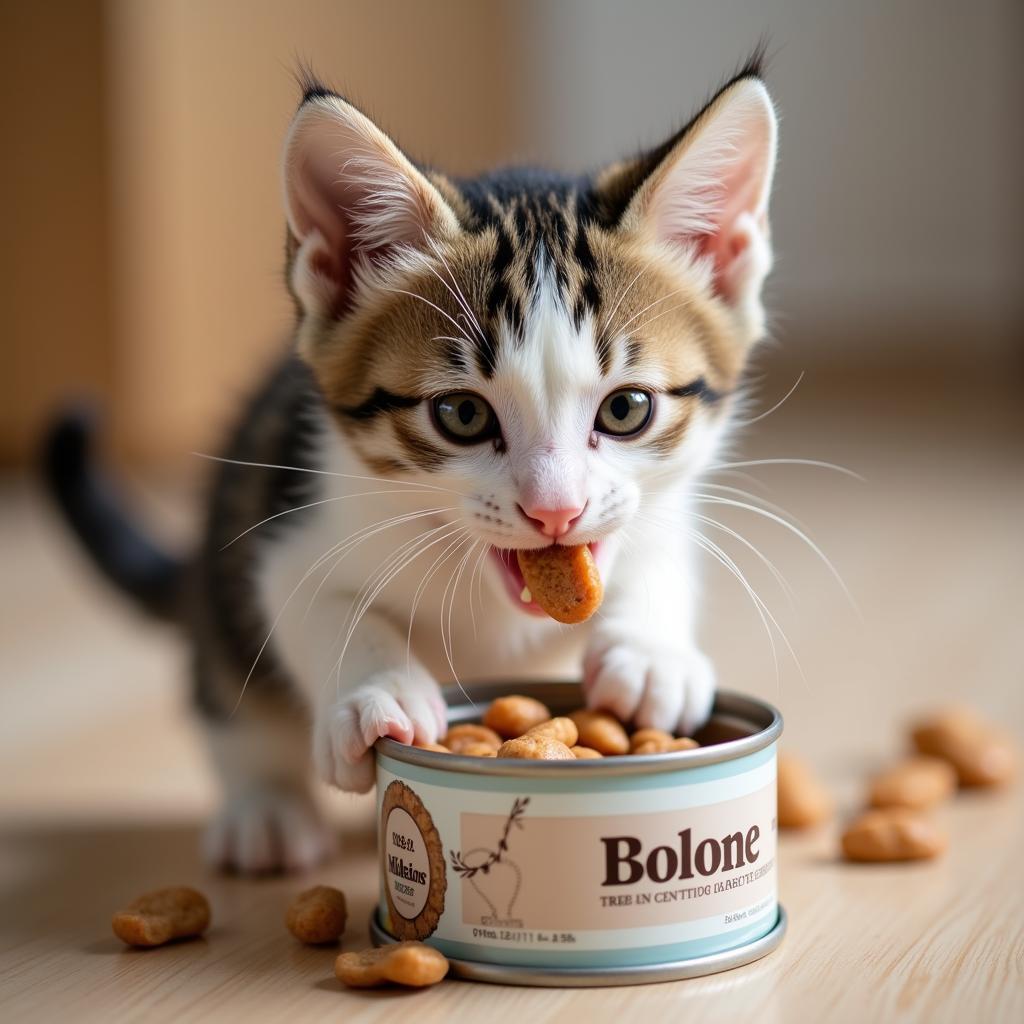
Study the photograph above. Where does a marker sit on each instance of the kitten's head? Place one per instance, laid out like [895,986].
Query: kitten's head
[555,350]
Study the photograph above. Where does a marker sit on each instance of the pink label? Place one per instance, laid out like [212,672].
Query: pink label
[617,872]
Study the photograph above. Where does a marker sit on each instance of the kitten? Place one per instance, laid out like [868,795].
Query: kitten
[479,366]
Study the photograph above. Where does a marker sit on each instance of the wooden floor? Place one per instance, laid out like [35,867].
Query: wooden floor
[103,788]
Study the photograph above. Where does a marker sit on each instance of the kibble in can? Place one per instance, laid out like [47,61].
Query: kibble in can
[600,872]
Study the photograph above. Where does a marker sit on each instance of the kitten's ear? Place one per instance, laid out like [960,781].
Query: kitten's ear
[707,192]
[353,200]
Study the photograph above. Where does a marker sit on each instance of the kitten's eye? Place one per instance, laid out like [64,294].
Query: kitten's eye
[465,418]
[624,412]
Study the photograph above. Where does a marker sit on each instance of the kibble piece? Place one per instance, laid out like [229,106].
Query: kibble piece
[512,716]
[439,748]
[412,964]
[317,915]
[649,747]
[563,579]
[585,753]
[562,729]
[600,731]
[891,834]
[653,740]
[460,736]
[683,743]
[158,917]
[979,753]
[802,800]
[916,782]
[657,746]
[536,748]
[477,750]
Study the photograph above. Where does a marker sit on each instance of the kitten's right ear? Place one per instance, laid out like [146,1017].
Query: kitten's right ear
[704,193]
[353,201]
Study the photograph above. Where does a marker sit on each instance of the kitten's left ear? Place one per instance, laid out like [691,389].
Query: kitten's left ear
[709,192]
[353,201]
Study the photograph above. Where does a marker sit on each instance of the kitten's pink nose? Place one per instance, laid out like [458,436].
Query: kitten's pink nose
[552,522]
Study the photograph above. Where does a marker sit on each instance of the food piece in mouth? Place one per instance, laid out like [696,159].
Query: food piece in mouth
[563,580]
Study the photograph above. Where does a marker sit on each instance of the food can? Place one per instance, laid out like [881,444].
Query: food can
[615,871]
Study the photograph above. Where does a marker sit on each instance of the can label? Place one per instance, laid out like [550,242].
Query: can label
[613,871]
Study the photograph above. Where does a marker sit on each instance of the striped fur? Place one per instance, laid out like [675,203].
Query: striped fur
[638,307]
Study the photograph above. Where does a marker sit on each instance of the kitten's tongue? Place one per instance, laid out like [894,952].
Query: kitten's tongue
[563,580]
[512,575]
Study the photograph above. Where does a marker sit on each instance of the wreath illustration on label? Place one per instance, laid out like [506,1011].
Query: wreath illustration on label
[495,877]
[415,879]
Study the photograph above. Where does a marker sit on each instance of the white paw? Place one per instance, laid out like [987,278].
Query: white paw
[406,708]
[654,687]
[267,830]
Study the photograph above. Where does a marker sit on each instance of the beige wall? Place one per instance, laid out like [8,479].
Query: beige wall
[144,232]
[201,96]
[54,281]
[143,228]
[898,213]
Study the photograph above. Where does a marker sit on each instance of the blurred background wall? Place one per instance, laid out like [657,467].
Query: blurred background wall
[142,140]
[898,215]
[143,230]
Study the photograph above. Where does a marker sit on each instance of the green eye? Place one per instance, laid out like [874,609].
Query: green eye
[623,412]
[465,418]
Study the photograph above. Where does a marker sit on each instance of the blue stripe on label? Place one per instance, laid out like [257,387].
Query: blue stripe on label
[602,784]
[609,958]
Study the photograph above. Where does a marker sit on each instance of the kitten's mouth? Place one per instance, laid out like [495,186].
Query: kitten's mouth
[512,577]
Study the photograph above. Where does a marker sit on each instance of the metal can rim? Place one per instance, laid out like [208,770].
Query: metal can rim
[596,977]
[752,711]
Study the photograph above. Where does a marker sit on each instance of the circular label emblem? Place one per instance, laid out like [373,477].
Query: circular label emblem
[408,867]
[412,864]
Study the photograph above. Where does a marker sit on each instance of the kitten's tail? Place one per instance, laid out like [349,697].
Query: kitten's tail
[97,514]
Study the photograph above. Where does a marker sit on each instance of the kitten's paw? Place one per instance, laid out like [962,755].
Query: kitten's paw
[408,709]
[267,830]
[655,687]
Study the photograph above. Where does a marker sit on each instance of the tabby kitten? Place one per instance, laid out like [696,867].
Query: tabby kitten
[479,366]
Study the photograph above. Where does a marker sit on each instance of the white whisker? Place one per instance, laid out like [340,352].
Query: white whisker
[385,571]
[325,472]
[650,305]
[349,542]
[458,293]
[313,504]
[372,589]
[764,559]
[778,405]
[426,301]
[458,316]
[475,576]
[446,337]
[768,619]
[763,502]
[421,589]
[790,462]
[665,312]
[453,582]
[618,302]
[712,549]
[371,531]
[796,531]
[767,562]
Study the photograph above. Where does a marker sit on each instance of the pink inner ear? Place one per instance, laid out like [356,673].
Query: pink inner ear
[738,194]
[713,195]
[318,216]
[350,200]
[331,267]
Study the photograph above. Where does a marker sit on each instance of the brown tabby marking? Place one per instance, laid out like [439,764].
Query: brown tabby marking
[647,309]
